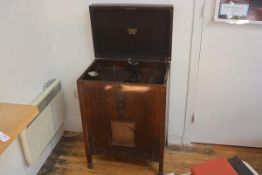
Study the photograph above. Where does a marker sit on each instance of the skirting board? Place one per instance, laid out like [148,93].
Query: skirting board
[174,139]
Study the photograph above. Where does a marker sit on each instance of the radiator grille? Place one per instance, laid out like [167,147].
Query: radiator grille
[41,106]
[43,128]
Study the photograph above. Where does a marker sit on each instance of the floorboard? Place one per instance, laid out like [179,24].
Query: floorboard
[68,158]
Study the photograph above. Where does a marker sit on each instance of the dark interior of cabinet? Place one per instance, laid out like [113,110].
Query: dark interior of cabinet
[124,71]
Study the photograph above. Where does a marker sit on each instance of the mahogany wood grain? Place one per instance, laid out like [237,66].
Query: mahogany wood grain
[102,102]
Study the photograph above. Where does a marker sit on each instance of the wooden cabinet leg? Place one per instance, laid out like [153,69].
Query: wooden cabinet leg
[89,154]
[90,161]
[161,155]
[161,168]
[89,158]
[88,149]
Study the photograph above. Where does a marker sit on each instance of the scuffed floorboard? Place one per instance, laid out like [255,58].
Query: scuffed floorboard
[68,158]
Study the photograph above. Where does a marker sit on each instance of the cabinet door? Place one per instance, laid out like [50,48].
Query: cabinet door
[100,106]
[126,117]
[144,105]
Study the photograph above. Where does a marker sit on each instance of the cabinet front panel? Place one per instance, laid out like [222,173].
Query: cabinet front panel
[125,117]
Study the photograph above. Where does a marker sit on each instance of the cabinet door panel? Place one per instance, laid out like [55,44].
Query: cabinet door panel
[140,109]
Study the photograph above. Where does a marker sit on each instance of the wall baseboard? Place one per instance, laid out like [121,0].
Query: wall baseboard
[174,139]
[74,127]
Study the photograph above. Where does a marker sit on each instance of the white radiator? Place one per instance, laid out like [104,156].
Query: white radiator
[41,130]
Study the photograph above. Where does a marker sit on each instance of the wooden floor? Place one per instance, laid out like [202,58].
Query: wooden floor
[68,158]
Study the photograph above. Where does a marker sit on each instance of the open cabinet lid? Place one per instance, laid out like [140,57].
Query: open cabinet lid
[136,31]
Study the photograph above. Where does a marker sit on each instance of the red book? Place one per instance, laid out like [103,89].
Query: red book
[218,166]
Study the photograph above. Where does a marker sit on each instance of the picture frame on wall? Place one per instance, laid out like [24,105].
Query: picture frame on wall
[239,11]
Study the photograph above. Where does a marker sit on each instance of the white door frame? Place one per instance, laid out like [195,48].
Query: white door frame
[198,21]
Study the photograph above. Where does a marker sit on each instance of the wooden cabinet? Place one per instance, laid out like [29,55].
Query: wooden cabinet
[137,112]
[123,100]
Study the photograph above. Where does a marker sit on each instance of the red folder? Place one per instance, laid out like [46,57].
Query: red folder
[218,166]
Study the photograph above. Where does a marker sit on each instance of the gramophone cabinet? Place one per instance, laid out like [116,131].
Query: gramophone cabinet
[123,94]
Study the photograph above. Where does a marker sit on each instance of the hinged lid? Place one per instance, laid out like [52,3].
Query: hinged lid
[136,31]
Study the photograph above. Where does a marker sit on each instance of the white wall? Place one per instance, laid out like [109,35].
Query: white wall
[70,30]
[24,49]
[25,64]
[182,33]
